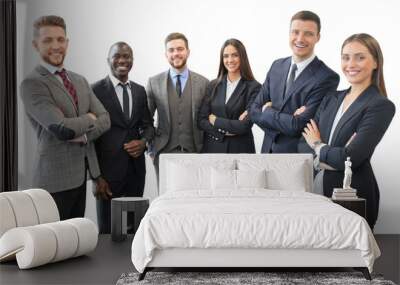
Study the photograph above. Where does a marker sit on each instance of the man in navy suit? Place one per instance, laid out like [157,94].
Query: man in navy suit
[293,89]
[120,150]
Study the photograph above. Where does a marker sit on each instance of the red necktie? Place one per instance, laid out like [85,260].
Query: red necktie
[68,85]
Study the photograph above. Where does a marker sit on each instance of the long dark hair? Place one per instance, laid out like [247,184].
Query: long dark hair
[245,69]
[375,50]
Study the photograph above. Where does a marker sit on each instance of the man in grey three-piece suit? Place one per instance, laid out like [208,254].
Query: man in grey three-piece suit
[66,116]
[176,94]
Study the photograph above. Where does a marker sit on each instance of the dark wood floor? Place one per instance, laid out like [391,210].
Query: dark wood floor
[110,260]
[389,262]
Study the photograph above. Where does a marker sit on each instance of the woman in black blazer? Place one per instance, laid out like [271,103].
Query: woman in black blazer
[351,123]
[223,113]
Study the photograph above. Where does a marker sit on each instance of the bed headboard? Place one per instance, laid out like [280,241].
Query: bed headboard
[240,161]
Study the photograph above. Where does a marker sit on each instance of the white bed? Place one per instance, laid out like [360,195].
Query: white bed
[228,216]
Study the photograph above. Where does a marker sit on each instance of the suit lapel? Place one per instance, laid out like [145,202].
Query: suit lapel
[236,96]
[164,94]
[53,80]
[306,75]
[353,109]
[220,98]
[115,104]
[334,105]
[282,83]
[134,98]
[195,89]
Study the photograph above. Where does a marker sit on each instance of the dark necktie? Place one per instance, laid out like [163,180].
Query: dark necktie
[178,85]
[125,100]
[290,81]
[68,85]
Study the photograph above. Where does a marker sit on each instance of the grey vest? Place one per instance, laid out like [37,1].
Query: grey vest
[180,109]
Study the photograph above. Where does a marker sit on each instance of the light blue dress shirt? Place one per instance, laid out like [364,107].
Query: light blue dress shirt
[184,77]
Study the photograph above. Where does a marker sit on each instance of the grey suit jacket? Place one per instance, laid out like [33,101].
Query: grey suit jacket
[60,163]
[157,98]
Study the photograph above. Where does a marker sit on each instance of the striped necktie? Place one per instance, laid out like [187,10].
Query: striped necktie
[68,85]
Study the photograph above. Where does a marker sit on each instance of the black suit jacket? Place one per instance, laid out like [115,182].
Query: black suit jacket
[215,138]
[282,129]
[113,159]
[369,117]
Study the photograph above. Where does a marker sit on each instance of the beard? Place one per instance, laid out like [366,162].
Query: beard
[178,65]
[54,60]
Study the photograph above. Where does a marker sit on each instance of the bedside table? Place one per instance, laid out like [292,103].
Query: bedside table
[119,208]
[357,205]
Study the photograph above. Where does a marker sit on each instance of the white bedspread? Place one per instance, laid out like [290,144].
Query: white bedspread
[250,219]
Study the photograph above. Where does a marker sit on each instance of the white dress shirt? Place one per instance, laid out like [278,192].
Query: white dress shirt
[119,91]
[230,88]
[300,66]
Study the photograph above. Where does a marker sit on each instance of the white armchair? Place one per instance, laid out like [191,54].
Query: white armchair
[31,230]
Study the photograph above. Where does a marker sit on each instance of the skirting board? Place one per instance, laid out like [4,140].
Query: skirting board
[178,257]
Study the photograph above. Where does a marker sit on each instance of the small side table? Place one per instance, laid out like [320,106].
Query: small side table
[357,205]
[119,208]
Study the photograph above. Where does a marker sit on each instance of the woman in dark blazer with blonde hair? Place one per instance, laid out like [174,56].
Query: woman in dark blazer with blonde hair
[351,123]
[223,113]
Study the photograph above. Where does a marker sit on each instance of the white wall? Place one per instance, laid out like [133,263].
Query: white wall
[93,25]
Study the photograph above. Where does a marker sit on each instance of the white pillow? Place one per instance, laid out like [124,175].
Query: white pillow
[226,179]
[280,174]
[223,179]
[251,178]
[288,177]
[190,175]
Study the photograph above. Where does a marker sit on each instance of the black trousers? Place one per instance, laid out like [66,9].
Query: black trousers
[71,203]
[131,186]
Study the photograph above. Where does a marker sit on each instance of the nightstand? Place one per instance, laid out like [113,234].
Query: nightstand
[357,205]
[119,208]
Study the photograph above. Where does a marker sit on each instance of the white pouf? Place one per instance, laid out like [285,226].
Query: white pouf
[31,232]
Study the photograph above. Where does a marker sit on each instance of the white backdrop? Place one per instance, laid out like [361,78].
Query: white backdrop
[93,25]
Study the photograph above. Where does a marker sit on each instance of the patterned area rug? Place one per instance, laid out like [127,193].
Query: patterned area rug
[244,278]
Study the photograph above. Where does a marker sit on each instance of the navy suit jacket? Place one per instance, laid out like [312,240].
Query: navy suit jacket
[113,159]
[215,140]
[282,129]
[368,117]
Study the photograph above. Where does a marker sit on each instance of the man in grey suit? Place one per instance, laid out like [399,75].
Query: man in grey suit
[66,116]
[176,95]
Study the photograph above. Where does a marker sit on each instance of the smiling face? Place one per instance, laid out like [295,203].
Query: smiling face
[177,53]
[51,44]
[303,37]
[231,59]
[120,59]
[357,64]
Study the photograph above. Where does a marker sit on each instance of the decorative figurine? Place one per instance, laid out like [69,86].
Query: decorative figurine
[347,174]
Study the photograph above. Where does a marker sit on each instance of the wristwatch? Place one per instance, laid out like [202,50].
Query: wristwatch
[315,144]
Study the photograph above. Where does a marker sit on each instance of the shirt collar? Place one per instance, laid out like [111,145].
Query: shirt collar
[303,64]
[184,74]
[232,82]
[115,81]
[51,68]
